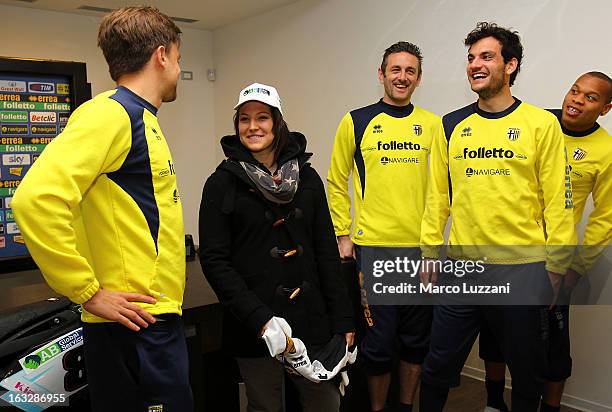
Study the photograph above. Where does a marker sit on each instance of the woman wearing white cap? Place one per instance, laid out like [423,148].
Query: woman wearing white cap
[269,252]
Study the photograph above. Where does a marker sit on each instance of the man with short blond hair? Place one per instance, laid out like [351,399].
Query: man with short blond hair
[101,215]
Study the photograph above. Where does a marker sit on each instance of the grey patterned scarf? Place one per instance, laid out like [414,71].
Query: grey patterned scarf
[277,188]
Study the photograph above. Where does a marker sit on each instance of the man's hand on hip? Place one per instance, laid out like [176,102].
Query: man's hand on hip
[118,307]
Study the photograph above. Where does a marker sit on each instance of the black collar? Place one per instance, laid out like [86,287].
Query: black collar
[497,115]
[396,111]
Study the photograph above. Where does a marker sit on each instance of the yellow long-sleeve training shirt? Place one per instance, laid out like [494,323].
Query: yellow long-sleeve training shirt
[386,149]
[100,207]
[491,172]
[590,158]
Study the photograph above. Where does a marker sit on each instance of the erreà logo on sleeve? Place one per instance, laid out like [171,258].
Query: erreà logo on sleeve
[39,87]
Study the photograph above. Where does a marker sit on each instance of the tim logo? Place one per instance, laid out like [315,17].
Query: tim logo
[466,132]
[41,87]
[377,128]
[579,154]
[418,129]
[513,134]
[384,160]
[469,172]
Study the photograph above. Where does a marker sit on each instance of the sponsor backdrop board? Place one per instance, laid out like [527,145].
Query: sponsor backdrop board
[36,100]
[33,111]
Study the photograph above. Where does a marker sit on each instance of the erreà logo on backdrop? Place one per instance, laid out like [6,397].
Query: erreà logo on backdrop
[40,87]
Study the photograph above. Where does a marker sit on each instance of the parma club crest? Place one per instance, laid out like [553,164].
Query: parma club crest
[579,154]
[513,133]
[418,129]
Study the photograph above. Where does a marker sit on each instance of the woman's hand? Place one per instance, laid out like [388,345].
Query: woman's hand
[263,329]
[350,338]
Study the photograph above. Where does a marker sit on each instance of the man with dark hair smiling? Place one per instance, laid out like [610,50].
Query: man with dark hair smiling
[101,215]
[385,146]
[515,219]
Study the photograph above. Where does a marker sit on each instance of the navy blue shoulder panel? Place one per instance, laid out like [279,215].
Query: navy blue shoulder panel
[556,112]
[361,118]
[449,122]
[452,119]
[135,176]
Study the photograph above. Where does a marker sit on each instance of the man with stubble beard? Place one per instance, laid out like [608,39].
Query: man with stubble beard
[388,201]
[489,167]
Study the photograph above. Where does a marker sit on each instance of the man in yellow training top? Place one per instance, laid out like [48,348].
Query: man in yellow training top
[589,148]
[386,146]
[101,215]
[496,162]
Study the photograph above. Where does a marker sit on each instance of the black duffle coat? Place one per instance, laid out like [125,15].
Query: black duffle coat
[244,240]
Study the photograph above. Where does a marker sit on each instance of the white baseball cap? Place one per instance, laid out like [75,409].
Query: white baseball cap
[261,93]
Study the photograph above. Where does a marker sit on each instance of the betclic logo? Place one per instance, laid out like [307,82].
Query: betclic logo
[39,87]
[43,117]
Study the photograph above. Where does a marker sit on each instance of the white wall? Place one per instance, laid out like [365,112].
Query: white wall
[323,56]
[188,123]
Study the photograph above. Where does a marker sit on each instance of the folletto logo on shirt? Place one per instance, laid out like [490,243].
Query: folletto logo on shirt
[484,153]
[395,145]
[579,154]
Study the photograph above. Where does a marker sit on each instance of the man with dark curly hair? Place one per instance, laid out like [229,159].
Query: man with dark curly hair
[500,170]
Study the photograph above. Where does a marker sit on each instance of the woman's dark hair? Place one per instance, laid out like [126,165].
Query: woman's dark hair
[280,130]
